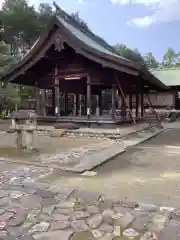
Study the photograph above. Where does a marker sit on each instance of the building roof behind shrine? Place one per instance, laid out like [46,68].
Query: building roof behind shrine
[85,43]
[168,76]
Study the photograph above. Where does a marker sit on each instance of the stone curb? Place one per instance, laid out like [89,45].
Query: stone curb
[71,133]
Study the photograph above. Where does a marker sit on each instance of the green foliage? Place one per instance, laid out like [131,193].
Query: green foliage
[132,55]
[150,60]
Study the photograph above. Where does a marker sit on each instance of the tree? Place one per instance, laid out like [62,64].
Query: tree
[150,60]
[20,25]
[79,20]
[169,58]
[132,55]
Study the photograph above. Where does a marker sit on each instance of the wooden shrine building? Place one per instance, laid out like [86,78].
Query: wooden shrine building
[69,60]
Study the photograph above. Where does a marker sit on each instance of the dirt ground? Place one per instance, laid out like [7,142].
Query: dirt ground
[147,173]
[43,144]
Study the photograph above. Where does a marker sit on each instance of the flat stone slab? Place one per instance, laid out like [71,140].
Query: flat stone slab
[89,162]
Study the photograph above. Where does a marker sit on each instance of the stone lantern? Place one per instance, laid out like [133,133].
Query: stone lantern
[24,124]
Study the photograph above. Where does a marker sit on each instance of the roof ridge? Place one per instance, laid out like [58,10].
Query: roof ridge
[74,22]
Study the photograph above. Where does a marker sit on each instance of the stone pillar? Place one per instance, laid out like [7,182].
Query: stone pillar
[89,96]
[29,140]
[97,106]
[113,101]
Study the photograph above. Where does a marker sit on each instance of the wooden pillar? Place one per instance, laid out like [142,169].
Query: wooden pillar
[123,106]
[137,104]
[97,106]
[53,101]
[142,99]
[57,94]
[130,101]
[88,96]
[80,105]
[66,103]
[43,102]
[75,104]
[38,101]
[113,101]
[100,103]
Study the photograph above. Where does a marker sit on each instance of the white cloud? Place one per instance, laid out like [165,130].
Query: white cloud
[164,11]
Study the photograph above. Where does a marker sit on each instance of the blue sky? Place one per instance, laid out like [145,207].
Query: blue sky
[148,25]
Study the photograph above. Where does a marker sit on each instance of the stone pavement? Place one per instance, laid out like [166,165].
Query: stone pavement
[31,210]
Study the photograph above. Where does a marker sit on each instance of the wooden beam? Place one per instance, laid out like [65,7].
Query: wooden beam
[122,93]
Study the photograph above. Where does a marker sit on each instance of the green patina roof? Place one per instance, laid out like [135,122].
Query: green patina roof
[170,77]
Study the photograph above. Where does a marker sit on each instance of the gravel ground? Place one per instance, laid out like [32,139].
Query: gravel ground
[147,173]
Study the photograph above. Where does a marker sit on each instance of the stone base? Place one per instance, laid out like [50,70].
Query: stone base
[58,133]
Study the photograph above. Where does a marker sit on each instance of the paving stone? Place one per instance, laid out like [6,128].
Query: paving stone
[17,220]
[16,194]
[107,228]
[64,211]
[157,223]
[6,216]
[141,222]
[46,202]
[40,227]
[131,233]
[129,204]
[79,225]
[30,201]
[147,207]
[60,217]
[4,201]
[2,211]
[26,238]
[86,235]
[65,192]
[168,233]
[66,204]
[107,216]
[92,209]
[95,220]
[80,215]
[120,209]
[126,220]
[32,216]
[4,193]
[88,197]
[3,234]
[96,233]
[2,225]
[55,235]
[48,210]
[44,217]
[44,194]
[60,225]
